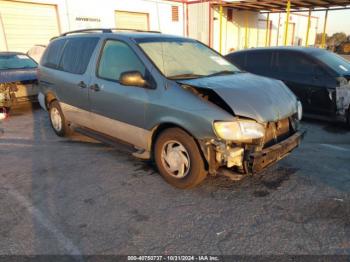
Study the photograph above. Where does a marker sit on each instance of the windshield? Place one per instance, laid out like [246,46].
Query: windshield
[336,62]
[185,58]
[16,61]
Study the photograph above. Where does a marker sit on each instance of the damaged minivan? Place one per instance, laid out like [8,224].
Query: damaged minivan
[173,99]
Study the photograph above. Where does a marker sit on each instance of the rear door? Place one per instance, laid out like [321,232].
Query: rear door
[259,62]
[118,110]
[73,78]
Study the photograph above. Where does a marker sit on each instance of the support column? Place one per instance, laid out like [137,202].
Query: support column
[287,22]
[267,30]
[220,38]
[246,30]
[308,29]
[323,45]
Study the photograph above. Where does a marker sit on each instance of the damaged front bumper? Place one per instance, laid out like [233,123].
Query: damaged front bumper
[249,160]
[260,160]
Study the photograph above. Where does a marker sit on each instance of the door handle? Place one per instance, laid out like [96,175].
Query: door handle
[95,87]
[82,84]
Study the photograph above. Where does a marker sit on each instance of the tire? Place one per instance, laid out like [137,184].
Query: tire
[348,118]
[57,120]
[174,148]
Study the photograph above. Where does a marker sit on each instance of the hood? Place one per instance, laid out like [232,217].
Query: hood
[19,75]
[251,96]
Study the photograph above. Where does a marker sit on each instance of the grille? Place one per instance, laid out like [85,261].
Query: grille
[277,132]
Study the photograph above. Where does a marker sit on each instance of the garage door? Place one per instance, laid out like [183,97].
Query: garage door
[27,24]
[130,20]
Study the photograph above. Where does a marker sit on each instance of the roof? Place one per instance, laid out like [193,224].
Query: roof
[278,5]
[308,50]
[127,33]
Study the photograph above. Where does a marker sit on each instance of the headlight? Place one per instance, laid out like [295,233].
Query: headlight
[240,130]
[300,110]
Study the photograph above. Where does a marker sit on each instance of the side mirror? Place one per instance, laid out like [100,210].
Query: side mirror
[132,78]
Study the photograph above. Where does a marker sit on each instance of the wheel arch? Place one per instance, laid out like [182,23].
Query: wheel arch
[167,125]
[49,97]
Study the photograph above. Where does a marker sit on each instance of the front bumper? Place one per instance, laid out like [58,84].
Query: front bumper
[262,159]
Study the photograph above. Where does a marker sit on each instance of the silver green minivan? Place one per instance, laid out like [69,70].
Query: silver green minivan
[175,100]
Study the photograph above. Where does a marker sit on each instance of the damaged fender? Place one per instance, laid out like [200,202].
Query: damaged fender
[343,97]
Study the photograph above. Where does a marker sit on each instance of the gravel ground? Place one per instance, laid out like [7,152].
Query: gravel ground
[78,196]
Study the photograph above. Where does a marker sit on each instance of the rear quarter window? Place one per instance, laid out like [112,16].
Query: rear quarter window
[76,54]
[238,59]
[259,62]
[52,55]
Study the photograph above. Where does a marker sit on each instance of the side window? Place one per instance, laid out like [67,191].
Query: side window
[77,53]
[238,60]
[52,55]
[117,58]
[259,62]
[294,63]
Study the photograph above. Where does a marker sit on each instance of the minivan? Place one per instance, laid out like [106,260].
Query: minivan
[319,78]
[175,100]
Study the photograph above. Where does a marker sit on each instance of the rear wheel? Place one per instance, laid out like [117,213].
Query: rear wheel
[57,119]
[178,159]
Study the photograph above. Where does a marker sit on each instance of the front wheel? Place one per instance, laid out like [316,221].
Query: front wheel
[57,119]
[178,159]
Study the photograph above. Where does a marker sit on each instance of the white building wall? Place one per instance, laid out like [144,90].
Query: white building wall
[101,13]
[104,11]
[300,21]
[234,31]
[198,22]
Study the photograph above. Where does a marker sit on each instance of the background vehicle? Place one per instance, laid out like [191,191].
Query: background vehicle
[176,100]
[319,78]
[36,52]
[18,79]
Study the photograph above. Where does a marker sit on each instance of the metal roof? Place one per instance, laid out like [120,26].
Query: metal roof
[277,5]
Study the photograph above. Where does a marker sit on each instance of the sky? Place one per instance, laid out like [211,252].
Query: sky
[338,21]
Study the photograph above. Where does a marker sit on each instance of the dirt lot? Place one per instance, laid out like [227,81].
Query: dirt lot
[78,196]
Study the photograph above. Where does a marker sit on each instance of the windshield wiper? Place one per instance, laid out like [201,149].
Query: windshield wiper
[224,72]
[185,76]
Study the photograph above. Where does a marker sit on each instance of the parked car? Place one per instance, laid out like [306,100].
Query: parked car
[319,78]
[18,79]
[176,100]
[36,52]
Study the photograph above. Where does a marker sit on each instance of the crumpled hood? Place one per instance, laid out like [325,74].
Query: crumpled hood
[251,96]
[8,76]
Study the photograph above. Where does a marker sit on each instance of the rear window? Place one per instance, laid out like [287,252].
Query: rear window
[70,55]
[76,54]
[52,55]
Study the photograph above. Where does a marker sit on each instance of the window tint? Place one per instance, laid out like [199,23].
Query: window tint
[76,54]
[258,62]
[117,58]
[294,63]
[237,59]
[52,55]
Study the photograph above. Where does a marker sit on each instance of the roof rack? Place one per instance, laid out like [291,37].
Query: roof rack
[105,30]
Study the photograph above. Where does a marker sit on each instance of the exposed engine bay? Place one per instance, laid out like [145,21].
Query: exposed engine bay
[248,157]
